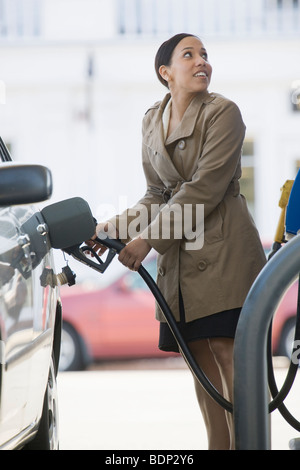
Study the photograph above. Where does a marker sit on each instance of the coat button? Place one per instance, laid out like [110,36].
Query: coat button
[181,145]
[161,271]
[202,265]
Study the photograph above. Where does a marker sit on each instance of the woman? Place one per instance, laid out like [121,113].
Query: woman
[192,143]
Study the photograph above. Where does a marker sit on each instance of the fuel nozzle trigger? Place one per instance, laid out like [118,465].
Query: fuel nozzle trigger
[79,253]
[114,246]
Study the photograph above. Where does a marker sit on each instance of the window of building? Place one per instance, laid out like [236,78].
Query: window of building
[282,4]
[295,96]
[216,18]
[20,18]
[247,181]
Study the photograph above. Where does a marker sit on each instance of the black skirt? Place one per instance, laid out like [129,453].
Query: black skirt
[219,325]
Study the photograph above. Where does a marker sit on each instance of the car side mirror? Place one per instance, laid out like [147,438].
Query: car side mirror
[24,183]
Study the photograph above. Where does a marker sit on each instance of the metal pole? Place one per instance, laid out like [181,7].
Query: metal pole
[252,427]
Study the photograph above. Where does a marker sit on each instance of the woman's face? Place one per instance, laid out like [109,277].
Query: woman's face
[189,70]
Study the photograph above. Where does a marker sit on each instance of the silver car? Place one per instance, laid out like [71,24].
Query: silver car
[30,312]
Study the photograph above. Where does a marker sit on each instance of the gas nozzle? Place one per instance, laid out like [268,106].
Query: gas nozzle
[111,243]
[283,202]
[70,224]
[80,254]
[280,231]
[289,221]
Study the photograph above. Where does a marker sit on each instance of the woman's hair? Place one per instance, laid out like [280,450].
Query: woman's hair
[165,52]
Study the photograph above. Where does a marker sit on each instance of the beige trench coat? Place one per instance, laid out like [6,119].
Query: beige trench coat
[200,163]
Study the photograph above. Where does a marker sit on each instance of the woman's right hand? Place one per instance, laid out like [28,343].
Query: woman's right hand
[103,228]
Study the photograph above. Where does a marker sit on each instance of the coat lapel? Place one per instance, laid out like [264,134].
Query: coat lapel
[154,137]
[189,120]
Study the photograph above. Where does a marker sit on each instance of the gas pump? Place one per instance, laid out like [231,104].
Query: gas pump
[251,391]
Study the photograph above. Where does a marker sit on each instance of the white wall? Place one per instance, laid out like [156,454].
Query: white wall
[258,75]
[69,20]
[48,93]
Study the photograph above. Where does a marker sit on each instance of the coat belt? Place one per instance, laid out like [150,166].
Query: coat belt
[167,193]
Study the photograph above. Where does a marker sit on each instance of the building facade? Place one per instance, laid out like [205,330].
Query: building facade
[77,77]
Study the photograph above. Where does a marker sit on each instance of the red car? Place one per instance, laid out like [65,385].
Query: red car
[118,322]
[283,330]
[114,322]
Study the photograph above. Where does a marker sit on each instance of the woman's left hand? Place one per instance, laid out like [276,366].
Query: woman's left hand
[134,253]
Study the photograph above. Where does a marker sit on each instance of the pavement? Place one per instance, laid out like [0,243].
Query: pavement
[146,408]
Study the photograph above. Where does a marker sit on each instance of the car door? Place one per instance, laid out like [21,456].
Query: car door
[27,298]
[43,307]
[16,313]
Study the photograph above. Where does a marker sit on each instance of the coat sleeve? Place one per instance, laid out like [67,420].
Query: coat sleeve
[217,164]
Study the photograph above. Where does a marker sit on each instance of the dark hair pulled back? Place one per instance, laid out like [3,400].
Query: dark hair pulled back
[165,52]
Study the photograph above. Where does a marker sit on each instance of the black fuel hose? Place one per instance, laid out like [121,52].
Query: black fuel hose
[278,396]
[184,349]
[70,239]
[117,245]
